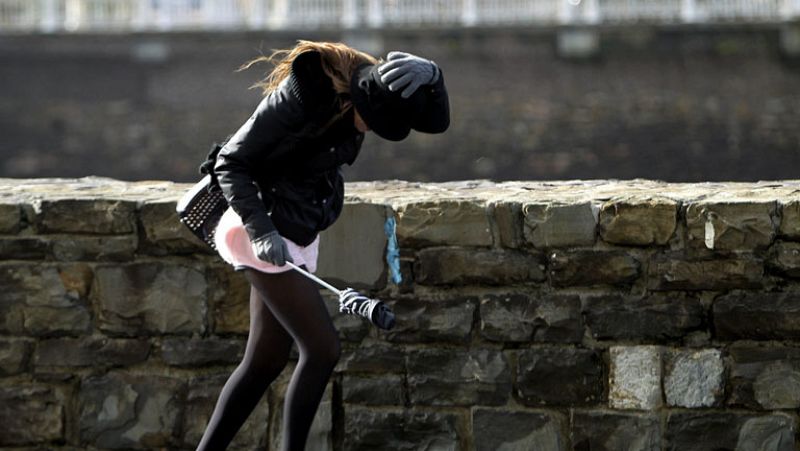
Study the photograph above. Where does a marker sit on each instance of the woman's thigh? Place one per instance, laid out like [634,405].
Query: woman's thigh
[267,335]
[297,305]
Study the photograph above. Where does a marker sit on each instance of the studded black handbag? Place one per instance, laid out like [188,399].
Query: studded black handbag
[202,206]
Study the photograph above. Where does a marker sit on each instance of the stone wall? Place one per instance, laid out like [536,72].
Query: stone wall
[705,103]
[598,315]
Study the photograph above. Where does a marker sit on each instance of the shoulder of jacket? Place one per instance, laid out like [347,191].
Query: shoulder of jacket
[309,83]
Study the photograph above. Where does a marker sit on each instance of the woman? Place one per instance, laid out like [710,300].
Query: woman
[280,173]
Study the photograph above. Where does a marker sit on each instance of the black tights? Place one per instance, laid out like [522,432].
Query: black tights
[284,307]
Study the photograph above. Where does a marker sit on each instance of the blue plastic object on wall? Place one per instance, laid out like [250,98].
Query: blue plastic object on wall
[392,251]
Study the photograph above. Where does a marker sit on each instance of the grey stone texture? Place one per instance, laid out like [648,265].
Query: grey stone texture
[790,219]
[764,377]
[31,414]
[632,221]
[422,320]
[464,266]
[352,249]
[201,352]
[201,397]
[386,389]
[90,351]
[609,430]
[635,377]
[611,336]
[438,376]
[10,218]
[654,318]
[672,272]
[163,232]
[121,410]
[559,376]
[785,259]
[397,429]
[15,355]
[44,300]
[731,225]
[701,431]
[89,215]
[537,317]
[154,298]
[694,377]
[554,225]
[510,430]
[760,316]
[591,268]
[445,222]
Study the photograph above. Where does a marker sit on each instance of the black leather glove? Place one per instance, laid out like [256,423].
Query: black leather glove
[272,249]
[409,71]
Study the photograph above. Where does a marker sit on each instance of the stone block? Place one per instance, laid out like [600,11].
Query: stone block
[671,272]
[201,397]
[351,251]
[531,318]
[372,356]
[558,225]
[758,316]
[559,376]
[163,231]
[25,248]
[30,414]
[43,300]
[731,225]
[94,248]
[369,429]
[458,377]
[590,267]
[655,318]
[638,221]
[99,216]
[446,222]
[386,389]
[320,434]
[15,356]
[501,429]
[201,351]
[635,377]
[431,320]
[92,351]
[508,220]
[785,259]
[603,430]
[150,298]
[790,220]
[462,266]
[10,218]
[703,431]
[119,410]
[764,377]
[229,300]
[694,377]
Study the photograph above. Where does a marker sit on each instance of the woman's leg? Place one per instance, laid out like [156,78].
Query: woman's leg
[266,355]
[296,303]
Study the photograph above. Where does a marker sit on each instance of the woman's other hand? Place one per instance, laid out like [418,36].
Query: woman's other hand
[272,249]
[409,71]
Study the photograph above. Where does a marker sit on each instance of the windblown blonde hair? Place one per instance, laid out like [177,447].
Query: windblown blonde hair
[338,61]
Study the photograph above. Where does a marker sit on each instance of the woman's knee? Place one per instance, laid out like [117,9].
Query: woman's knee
[325,354]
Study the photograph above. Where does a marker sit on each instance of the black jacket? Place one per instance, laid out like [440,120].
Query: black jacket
[281,169]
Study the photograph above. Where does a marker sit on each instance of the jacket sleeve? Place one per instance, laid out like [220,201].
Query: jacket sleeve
[435,118]
[254,147]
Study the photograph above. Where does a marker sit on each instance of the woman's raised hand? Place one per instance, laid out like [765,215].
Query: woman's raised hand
[404,70]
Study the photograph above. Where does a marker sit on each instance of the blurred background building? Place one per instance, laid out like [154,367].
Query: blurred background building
[680,90]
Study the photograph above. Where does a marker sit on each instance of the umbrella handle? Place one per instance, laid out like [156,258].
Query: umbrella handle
[315,278]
